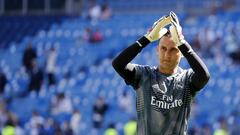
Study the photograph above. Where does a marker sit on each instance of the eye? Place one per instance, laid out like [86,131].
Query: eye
[174,50]
[163,48]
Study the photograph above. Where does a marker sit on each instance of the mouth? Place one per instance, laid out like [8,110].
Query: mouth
[167,61]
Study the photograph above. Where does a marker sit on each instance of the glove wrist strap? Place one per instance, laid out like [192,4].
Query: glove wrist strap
[143,42]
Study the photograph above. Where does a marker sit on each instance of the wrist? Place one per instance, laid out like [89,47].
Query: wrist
[182,42]
[143,41]
[185,46]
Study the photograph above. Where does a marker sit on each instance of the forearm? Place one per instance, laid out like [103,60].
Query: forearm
[127,55]
[201,74]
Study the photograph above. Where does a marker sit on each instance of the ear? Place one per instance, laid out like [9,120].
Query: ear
[157,49]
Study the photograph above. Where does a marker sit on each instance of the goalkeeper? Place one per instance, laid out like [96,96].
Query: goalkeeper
[164,93]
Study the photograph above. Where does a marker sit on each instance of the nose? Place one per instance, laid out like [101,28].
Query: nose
[167,55]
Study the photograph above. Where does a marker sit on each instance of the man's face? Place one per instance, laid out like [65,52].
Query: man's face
[168,53]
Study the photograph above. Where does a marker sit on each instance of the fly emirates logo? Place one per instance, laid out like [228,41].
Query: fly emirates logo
[166,102]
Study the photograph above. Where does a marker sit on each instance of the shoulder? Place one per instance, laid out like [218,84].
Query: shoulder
[146,68]
[184,73]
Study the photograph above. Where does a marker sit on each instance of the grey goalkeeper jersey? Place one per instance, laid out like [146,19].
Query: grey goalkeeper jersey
[163,101]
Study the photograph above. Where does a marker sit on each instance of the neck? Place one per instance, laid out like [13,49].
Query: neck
[167,70]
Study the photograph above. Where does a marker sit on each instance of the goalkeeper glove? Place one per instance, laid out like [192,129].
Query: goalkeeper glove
[157,30]
[176,30]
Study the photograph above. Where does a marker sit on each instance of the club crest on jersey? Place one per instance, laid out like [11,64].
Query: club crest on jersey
[160,88]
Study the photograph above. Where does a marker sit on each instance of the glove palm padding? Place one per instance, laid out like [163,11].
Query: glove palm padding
[154,33]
